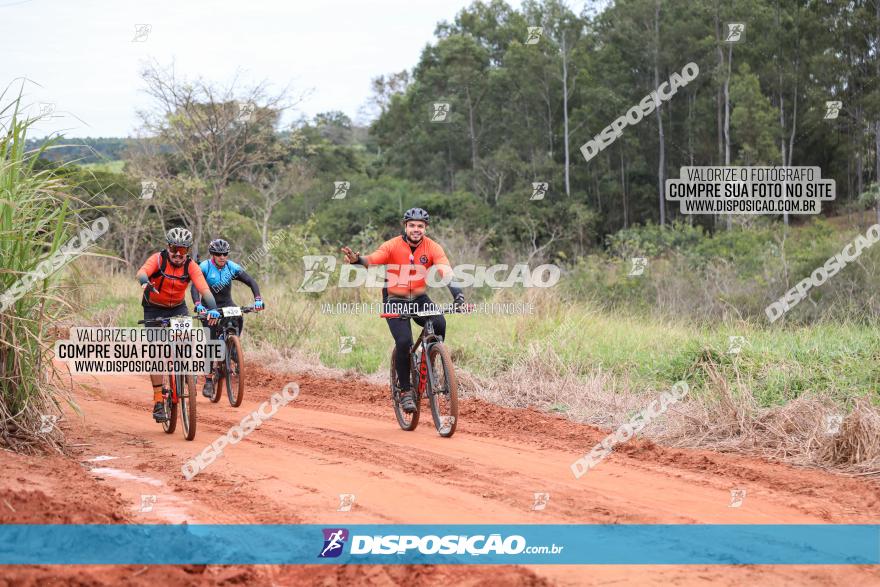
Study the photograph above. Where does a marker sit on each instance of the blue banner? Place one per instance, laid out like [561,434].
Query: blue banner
[687,544]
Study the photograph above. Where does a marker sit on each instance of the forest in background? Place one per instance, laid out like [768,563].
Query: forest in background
[520,107]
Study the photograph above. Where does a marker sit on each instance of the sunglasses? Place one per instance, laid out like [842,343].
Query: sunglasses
[220,254]
[178,250]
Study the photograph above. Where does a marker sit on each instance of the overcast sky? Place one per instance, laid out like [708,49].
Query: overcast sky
[83,55]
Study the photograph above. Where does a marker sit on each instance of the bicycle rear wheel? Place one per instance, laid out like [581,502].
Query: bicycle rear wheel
[442,390]
[170,423]
[234,371]
[186,396]
[406,421]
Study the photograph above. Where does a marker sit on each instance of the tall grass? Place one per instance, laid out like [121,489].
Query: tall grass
[594,365]
[34,220]
[732,275]
[641,354]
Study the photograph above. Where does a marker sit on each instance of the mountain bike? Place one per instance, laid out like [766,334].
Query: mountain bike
[433,376]
[229,372]
[177,389]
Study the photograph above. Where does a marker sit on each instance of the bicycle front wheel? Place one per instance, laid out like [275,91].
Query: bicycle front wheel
[234,371]
[442,390]
[170,423]
[186,395]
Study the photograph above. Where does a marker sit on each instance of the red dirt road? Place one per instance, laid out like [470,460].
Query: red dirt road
[339,436]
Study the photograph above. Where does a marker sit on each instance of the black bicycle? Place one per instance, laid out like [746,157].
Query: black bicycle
[177,389]
[229,372]
[433,376]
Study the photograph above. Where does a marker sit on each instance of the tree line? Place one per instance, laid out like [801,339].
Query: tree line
[519,91]
[519,111]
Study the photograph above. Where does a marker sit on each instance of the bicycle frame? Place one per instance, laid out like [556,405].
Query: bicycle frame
[172,377]
[426,339]
[228,327]
[425,368]
[177,388]
[173,387]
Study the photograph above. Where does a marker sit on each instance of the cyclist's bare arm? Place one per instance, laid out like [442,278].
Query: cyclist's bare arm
[379,257]
[352,257]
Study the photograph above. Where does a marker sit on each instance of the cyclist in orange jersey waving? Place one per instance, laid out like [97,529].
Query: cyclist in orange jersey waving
[408,258]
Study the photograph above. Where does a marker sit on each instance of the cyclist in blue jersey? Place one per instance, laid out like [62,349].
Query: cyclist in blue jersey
[220,272]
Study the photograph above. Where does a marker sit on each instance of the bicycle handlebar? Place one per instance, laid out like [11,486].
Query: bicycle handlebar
[463,309]
[244,310]
[164,320]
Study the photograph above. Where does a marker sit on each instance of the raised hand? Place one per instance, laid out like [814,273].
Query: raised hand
[351,256]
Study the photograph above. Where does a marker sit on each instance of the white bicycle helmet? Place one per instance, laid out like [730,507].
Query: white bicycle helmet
[180,237]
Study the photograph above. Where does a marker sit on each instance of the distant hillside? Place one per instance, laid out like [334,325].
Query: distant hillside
[84,150]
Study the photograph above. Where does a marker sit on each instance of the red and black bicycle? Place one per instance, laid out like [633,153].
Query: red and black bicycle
[433,376]
[177,389]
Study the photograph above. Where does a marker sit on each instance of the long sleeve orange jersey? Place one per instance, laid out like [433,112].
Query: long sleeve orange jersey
[173,284]
[397,252]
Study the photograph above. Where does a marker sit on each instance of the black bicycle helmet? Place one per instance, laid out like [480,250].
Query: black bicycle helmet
[218,246]
[180,237]
[416,214]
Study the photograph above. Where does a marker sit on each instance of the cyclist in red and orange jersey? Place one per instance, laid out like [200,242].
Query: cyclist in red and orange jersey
[409,256]
[165,278]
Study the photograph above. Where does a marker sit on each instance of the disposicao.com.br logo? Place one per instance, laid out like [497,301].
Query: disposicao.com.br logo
[334,541]
[452,544]
[318,270]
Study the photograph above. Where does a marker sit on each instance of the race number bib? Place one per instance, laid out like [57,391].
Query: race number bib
[231,311]
[182,323]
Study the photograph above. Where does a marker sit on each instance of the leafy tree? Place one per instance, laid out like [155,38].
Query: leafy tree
[752,121]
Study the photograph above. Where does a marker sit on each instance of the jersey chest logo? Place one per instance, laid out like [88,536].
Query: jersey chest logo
[217,276]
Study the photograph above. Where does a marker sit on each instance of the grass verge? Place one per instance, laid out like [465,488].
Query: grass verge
[802,394]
